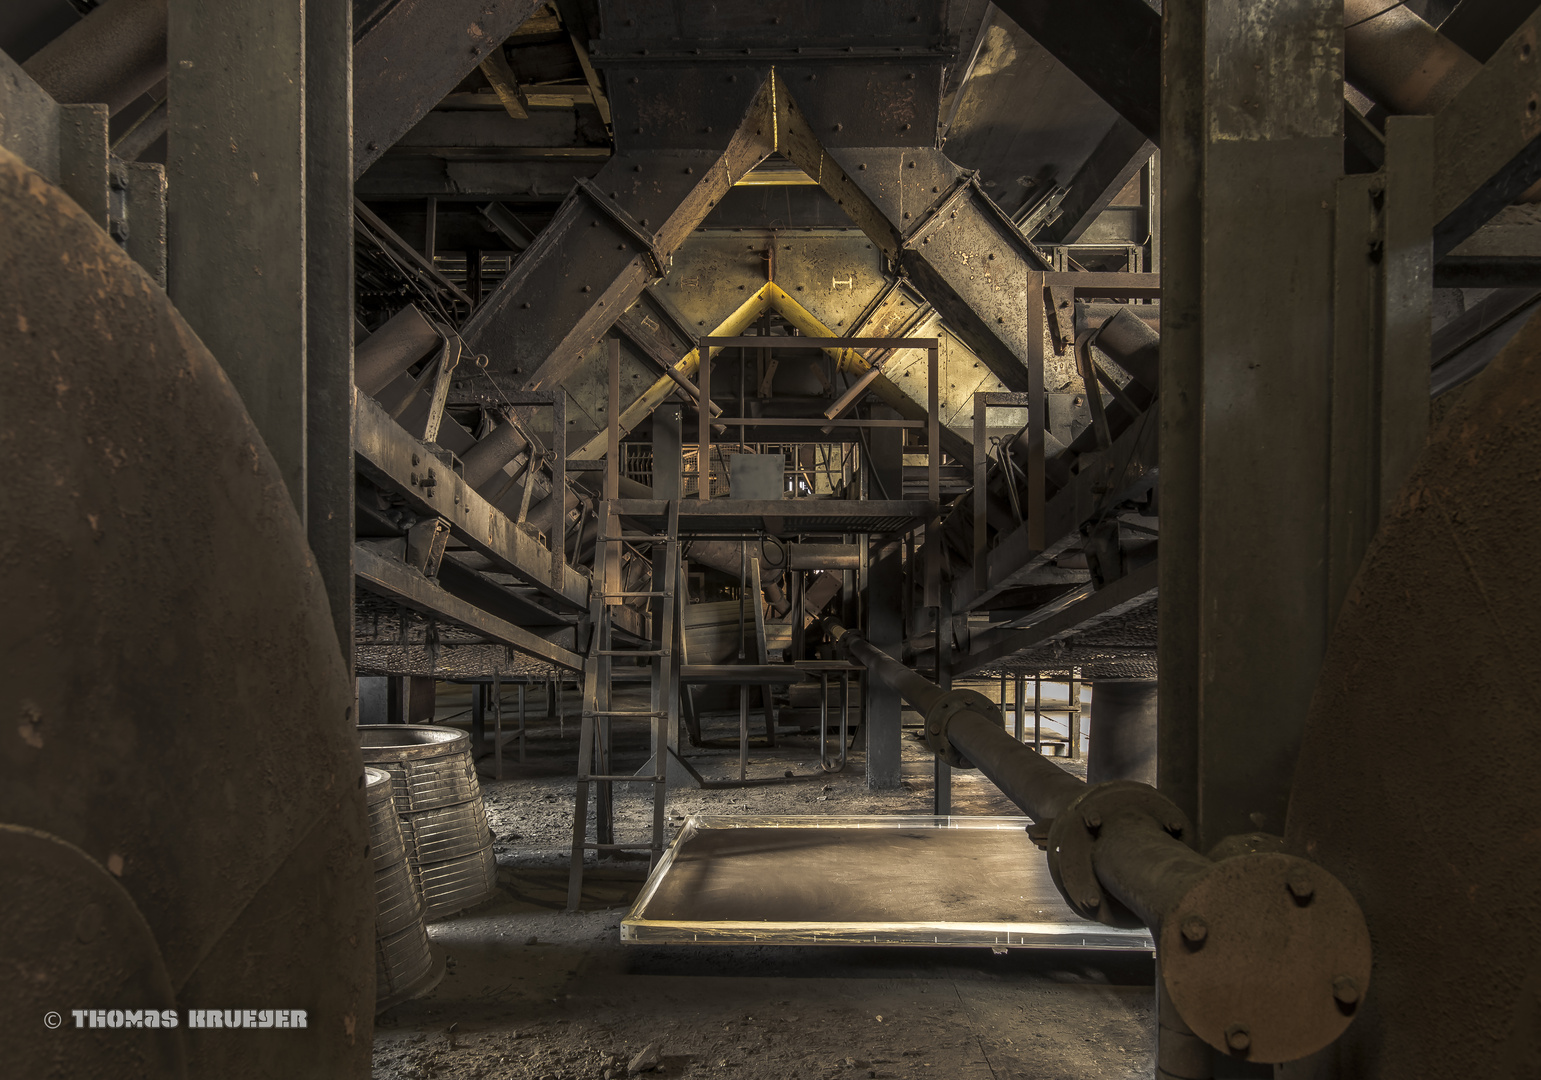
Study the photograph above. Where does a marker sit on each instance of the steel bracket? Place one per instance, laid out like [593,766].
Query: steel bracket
[628,224]
[1073,838]
[425,545]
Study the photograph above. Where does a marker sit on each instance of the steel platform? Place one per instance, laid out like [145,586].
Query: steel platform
[955,881]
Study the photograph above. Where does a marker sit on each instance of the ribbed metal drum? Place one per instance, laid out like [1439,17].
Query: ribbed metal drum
[403,964]
[439,804]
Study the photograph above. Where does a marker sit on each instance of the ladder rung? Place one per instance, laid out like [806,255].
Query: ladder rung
[642,538]
[622,847]
[627,779]
[627,712]
[613,595]
[631,652]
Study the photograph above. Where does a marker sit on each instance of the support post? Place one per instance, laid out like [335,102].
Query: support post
[982,503]
[1252,149]
[478,720]
[882,715]
[329,292]
[236,213]
[1073,721]
[1017,705]
[522,688]
[942,775]
[704,435]
[666,452]
[1038,712]
[497,729]
[1037,402]
[260,206]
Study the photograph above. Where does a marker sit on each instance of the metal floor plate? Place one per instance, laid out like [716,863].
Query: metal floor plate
[860,881]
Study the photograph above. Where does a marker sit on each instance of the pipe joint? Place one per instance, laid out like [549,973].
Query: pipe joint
[1074,834]
[941,714]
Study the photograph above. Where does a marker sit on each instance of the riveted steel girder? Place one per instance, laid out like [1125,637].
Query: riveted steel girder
[610,238]
[412,55]
[907,401]
[936,224]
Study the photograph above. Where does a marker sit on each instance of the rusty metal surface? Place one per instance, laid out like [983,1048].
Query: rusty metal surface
[1281,962]
[1444,611]
[178,656]
[71,936]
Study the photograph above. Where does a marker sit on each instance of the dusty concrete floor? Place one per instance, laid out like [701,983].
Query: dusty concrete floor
[533,992]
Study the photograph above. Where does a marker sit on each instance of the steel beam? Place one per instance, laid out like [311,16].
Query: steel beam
[401,583]
[112,56]
[932,219]
[609,240]
[1133,590]
[1252,148]
[329,293]
[1113,46]
[1487,142]
[236,219]
[410,56]
[1125,472]
[770,297]
[1123,151]
[882,712]
[260,206]
[390,457]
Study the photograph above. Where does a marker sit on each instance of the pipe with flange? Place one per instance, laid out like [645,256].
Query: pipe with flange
[1265,955]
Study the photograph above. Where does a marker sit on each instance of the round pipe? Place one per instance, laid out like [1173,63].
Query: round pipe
[114,55]
[1399,60]
[1265,955]
[385,354]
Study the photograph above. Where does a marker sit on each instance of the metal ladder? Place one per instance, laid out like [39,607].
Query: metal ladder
[594,750]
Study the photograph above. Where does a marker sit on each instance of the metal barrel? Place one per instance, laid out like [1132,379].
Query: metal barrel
[403,964]
[439,804]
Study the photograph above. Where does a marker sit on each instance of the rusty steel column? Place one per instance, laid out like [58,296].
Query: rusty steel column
[1123,731]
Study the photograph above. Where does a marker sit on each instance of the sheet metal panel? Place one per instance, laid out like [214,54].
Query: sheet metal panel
[955,881]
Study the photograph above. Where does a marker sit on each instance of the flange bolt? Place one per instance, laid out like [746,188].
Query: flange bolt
[1195,929]
[1300,885]
[1238,1038]
[1346,990]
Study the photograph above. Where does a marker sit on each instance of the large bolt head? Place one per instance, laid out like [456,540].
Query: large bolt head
[1195,929]
[1238,1038]
[1300,884]
[1346,989]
